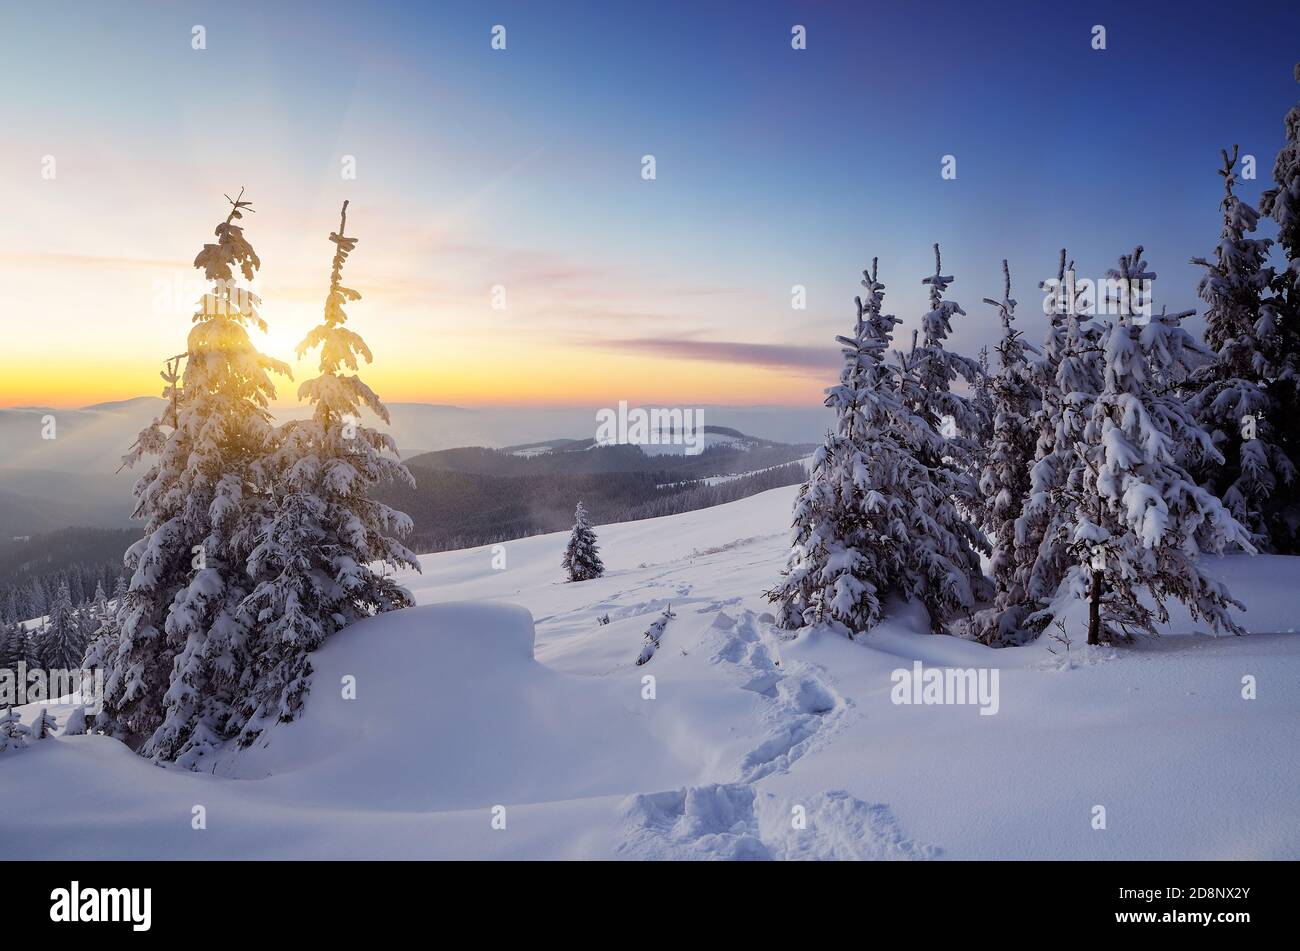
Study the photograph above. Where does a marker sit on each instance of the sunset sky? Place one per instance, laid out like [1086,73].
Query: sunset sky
[522,168]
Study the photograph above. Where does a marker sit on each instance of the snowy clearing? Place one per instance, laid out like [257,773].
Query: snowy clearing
[503,690]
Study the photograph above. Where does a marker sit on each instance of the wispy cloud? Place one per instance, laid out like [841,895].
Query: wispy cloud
[792,357]
[95,262]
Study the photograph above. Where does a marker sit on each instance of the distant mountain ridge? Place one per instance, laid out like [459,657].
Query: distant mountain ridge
[475,495]
[77,479]
[728,452]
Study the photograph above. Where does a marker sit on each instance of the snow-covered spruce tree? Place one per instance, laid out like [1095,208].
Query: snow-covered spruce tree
[22,648]
[953,505]
[13,734]
[1229,396]
[935,368]
[175,651]
[1068,375]
[13,645]
[863,521]
[1140,519]
[75,725]
[847,537]
[99,601]
[1005,479]
[44,726]
[76,582]
[63,645]
[38,602]
[581,560]
[1278,330]
[322,552]
[36,644]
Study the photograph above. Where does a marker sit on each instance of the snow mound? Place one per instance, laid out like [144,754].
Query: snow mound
[444,706]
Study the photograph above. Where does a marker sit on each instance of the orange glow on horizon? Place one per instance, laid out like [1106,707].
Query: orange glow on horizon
[538,376]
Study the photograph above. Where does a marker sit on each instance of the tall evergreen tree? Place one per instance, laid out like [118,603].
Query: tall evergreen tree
[929,371]
[38,602]
[846,544]
[99,601]
[581,560]
[11,646]
[1005,478]
[63,645]
[1067,374]
[1229,393]
[11,609]
[935,368]
[176,650]
[317,551]
[28,646]
[1279,332]
[864,522]
[75,580]
[1141,521]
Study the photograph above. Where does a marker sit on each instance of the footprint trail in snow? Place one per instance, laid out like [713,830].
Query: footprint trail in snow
[736,820]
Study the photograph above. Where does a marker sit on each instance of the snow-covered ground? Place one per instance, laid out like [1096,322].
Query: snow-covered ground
[806,462]
[502,700]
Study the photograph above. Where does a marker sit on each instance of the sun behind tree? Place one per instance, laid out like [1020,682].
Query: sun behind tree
[175,651]
[315,561]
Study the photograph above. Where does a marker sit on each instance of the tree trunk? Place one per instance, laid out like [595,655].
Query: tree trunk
[1094,609]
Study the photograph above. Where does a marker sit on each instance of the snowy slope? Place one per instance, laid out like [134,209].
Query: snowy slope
[503,689]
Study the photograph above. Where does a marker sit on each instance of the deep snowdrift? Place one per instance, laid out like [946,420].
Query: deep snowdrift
[752,746]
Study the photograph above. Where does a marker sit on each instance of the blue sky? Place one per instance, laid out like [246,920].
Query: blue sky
[522,167]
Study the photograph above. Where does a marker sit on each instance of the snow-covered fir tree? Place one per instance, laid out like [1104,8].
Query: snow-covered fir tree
[1140,519]
[1067,375]
[846,544]
[75,725]
[38,602]
[954,508]
[76,582]
[1229,395]
[1279,332]
[935,368]
[43,726]
[28,645]
[62,645]
[99,601]
[175,652]
[13,734]
[18,648]
[1005,478]
[322,551]
[864,521]
[12,648]
[581,560]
